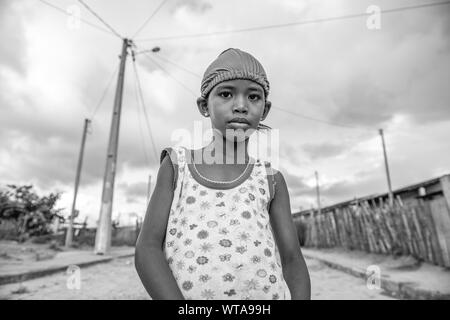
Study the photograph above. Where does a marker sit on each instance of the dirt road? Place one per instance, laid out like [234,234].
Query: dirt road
[118,280]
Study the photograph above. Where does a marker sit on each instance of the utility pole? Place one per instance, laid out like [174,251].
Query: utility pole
[391,195]
[103,234]
[69,233]
[318,193]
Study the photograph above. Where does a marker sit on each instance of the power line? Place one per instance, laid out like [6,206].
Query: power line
[149,18]
[315,119]
[284,25]
[178,66]
[144,109]
[105,90]
[287,111]
[68,14]
[144,146]
[278,108]
[170,75]
[100,18]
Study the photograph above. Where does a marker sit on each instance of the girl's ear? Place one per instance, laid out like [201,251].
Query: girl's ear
[202,104]
[267,107]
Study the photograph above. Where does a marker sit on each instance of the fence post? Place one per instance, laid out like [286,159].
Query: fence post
[441,218]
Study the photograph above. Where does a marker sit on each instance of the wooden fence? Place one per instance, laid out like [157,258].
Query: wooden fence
[396,229]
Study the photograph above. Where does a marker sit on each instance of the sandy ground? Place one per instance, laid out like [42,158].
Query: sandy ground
[14,252]
[332,284]
[119,280]
[113,280]
[423,276]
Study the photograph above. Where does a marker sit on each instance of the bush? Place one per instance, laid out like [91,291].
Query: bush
[25,213]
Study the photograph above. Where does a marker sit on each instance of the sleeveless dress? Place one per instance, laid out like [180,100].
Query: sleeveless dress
[219,242]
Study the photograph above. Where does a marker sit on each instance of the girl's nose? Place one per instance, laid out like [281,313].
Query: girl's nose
[240,105]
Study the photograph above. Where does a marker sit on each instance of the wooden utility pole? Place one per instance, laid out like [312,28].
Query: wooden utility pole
[103,234]
[69,233]
[388,176]
[318,193]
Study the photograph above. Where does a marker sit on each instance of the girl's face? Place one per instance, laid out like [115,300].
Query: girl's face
[235,105]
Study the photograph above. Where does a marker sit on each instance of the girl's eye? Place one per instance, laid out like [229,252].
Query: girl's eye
[254,97]
[225,94]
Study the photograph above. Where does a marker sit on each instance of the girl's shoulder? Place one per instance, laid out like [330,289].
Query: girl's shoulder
[176,154]
[177,158]
[271,174]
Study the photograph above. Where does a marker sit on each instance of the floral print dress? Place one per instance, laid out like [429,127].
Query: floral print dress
[219,242]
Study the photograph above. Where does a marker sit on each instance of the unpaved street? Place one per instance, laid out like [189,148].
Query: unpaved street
[119,280]
[331,284]
[113,280]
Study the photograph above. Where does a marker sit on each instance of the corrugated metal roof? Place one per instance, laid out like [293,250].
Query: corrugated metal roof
[379,195]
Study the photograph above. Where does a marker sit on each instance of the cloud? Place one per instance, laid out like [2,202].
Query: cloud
[347,190]
[12,47]
[23,161]
[134,192]
[323,150]
[51,78]
[362,103]
[401,71]
[197,6]
[296,185]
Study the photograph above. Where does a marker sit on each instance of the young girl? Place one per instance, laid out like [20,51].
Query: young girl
[222,229]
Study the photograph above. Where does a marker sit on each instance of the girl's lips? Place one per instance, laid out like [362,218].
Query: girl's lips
[238,125]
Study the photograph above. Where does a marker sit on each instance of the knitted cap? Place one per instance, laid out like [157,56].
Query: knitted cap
[233,64]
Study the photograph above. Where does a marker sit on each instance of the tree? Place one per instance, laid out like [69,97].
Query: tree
[30,214]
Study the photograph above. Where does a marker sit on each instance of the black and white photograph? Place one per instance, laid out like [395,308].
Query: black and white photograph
[224,150]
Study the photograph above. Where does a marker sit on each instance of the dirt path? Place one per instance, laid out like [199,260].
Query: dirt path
[114,280]
[118,280]
[332,284]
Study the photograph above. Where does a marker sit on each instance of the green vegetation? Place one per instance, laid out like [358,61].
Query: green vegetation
[24,214]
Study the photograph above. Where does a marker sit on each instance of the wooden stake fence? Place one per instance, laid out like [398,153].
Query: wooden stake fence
[396,229]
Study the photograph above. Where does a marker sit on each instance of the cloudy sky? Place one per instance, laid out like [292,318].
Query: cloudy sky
[53,72]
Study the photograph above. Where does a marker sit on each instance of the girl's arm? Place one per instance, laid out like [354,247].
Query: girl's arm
[150,260]
[295,271]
